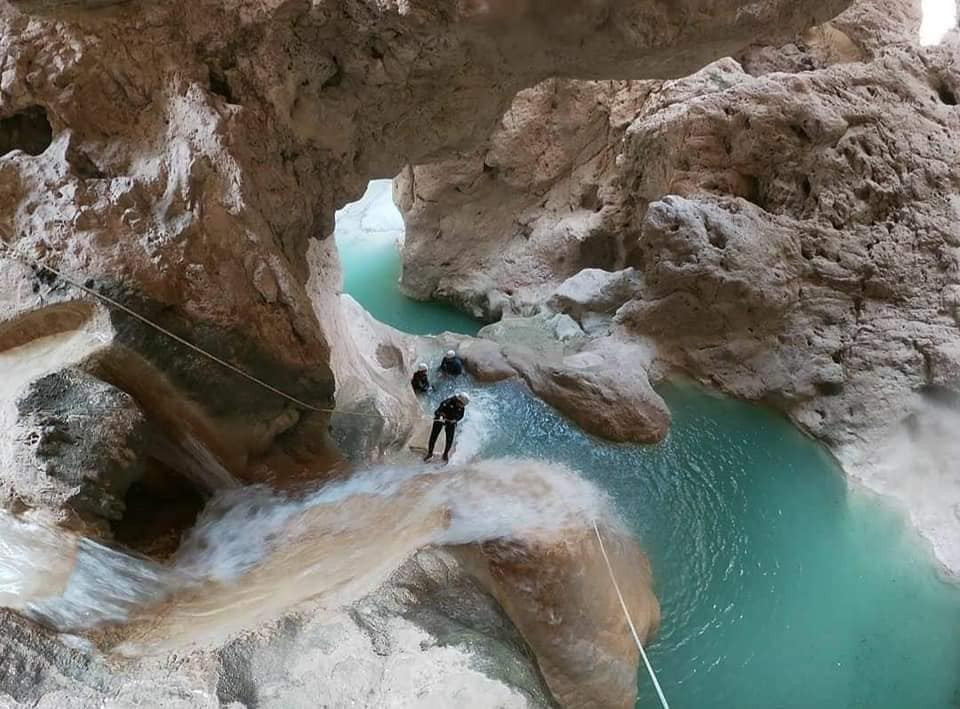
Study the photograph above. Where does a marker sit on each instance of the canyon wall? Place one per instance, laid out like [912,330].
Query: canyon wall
[784,227]
[184,161]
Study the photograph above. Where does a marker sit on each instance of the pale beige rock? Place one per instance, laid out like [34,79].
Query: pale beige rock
[794,235]
[601,384]
[181,158]
[406,644]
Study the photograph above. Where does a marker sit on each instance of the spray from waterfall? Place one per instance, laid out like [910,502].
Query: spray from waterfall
[255,554]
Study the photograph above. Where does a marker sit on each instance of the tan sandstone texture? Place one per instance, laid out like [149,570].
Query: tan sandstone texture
[182,159]
[185,160]
[785,229]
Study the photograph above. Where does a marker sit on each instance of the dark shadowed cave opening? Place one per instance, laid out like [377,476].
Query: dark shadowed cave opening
[158,509]
[28,130]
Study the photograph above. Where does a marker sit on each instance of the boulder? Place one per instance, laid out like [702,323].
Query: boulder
[790,220]
[594,290]
[598,398]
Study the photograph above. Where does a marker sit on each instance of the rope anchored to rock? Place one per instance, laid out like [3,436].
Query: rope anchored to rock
[177,338]
[626,613]
[303,404]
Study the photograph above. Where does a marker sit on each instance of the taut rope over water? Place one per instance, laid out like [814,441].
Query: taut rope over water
[633,629]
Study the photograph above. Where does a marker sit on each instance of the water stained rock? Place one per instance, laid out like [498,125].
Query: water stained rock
[202,189]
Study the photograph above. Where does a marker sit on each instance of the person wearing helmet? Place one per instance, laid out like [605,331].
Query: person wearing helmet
[446,417]
[451,364]
[420,381]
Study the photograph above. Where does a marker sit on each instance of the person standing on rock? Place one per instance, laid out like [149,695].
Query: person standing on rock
[446,417]
[451,364]
[420,381]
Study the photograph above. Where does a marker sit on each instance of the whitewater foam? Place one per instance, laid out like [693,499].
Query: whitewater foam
[254,553]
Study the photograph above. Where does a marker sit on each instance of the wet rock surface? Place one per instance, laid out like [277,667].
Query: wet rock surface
[424,636]
[183,160]
[186,160]
[783,229]
[600,384]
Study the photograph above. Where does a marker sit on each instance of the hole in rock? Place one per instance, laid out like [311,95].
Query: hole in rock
[753,191]
[27,130]
[800,132]
[335,78]
[717,238]
[590,199]
[82,165]
[371,238]
[946,95]
[599,250]
[220,85]
[160,507]
[829,388]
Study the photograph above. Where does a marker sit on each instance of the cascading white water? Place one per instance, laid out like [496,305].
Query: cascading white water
[254,554]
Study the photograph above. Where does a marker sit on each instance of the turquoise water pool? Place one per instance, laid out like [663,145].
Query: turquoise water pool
[780,587]
[368,236]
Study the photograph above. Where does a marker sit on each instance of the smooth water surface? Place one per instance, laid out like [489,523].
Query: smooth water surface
[369,233]
[781,588]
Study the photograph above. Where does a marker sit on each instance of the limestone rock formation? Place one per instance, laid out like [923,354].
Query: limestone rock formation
[410,642]
[556,605]
[183,160]
[601,384]
[790,237]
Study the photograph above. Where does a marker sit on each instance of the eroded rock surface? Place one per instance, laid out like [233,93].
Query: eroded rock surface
[786,233]
[183,159]
[600,383]
[409,643]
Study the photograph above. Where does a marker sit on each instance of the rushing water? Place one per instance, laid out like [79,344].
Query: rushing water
[780,586]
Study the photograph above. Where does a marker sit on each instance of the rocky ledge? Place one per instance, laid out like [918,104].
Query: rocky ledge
[185,161]
[783,226]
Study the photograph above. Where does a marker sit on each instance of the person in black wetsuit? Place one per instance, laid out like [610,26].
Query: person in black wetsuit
[451,364]
[420,381]
[446,417]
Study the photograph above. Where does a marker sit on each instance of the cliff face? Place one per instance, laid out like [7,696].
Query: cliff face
[185,160]
[182,160]
[784,229]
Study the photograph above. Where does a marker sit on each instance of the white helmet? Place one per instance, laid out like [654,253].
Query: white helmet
[451,353]
[464,399]
[422,367]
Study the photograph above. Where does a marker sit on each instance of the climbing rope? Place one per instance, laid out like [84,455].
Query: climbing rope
[633,629]
[250,377]
[186,343]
